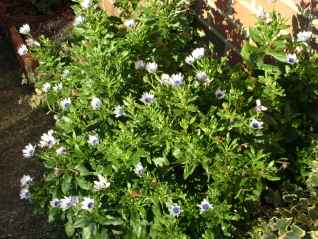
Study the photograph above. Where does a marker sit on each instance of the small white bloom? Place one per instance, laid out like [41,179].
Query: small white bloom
[292,59]
[88,204]
[147,98]
[25,29]
[85,4]
[93,139]
[175,210]
[60,151]
[152,67]
[65,104]
[190,60]
[304,36]
[176,79]
[78,20]
[47,140]
[165,79]
[68,202]
[101,183]
[58,87]
[32,43]
[25,181]
[262,14]
[65,73]
[96,103]
[56,203]
[255,124]
[25,194]
[130,23]
[139,169]
[22,50]
[46,87]
[204,206]
[119,111]
[139,65]
[259,107]
[219,94]
[198,53]
[28,151]
[201,76]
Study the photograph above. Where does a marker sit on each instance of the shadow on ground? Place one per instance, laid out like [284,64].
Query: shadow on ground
[19,125]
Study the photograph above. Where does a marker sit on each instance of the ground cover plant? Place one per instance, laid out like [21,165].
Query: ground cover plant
[157,137]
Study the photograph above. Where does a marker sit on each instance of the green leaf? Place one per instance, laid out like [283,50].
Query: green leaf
[69,229]
[160,161]
[83,184]
[66,183]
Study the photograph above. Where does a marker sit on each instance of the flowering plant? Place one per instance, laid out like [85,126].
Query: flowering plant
[155,136]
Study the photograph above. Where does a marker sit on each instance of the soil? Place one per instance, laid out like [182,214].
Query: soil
[19,125]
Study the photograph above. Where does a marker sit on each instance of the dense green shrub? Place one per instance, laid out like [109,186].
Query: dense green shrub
[156,137]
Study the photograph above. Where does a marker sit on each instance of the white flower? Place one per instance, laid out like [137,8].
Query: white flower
[85,4]
[139,65]
[78,20]
[259,107]
[189,60]
[292,59]
[68,202]
[55,203]
[130,23]
[93,139]
[25,29]
[28,151]
[219,94]
[119,111]
[262,14]
[165,79]
[304,36]
[25,181]
[176,79]
[96,103]
[175,210]
[198,53]
[201,76]
[88,203]
[60,151]
[101,183]
[139,169]
[46,87]
[65,73]
[32,43]
[147,98]
[65,104]
[255,124]
[47,140]
[152,67]
[22,50]
[204,206]
[58,87]
[25,194]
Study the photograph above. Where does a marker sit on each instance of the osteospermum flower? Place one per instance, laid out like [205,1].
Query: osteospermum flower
[119,111]
[198,53]
[78,20]
[219,94]
[25,181]
[56,203]
[130,23]
[28,151]
[147,98]
[93,139]
[65,104]
[292,59]
[152,67]
[47,140]
[139,169]
[60,151]
[304,36]
[46,87]
[255,124]
[189,60]
[101,183]
[85,4]
[23,50]
[25,194]
[176,79]
[96,103]
[165,79]
[140,65]
[201,76]
[204,206]
[68,202]
[259,107]
[25,29]
[175,210]
[88,204]
[58,87]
